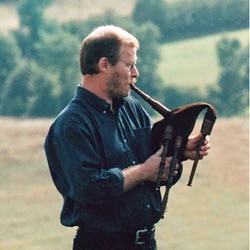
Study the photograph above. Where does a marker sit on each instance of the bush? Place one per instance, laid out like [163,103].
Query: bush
[231,94]
[17,91]
[195,19]
[10,55]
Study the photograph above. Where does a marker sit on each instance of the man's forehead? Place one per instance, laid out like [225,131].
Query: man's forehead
[128,51]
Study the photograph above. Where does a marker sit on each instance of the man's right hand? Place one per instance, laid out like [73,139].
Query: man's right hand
[147,171]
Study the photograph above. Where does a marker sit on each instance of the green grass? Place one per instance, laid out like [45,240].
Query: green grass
[193,63]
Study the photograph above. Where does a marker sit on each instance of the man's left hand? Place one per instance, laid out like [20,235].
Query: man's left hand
[192,145]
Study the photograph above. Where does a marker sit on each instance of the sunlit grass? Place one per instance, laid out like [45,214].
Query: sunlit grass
[213,214]
[193,63]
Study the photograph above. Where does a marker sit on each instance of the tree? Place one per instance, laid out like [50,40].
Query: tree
[31,24]
[44,100]
[30,91]
[58,55]
[184,19]
[151,11]
[10,55]
[17,91]
[231,94]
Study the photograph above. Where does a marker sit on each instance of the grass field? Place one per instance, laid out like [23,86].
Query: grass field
[193,63]
[213,214]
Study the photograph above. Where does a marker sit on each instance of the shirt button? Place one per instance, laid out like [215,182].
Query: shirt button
[104,112]
[125,140]
[133,162]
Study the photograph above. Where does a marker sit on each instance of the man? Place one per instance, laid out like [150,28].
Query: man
[98,150]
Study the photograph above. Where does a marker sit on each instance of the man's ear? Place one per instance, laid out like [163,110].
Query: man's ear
[103,64]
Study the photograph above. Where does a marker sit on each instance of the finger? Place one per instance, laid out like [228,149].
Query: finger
[195,137]
[177,166]
[206,140]
[160,150]
[168,161]
[205,147]
[203,152]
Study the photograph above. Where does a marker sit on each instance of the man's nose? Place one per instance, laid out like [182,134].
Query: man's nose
[135,72]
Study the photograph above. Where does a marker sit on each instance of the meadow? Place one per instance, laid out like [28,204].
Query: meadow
[212,214]
[194,62]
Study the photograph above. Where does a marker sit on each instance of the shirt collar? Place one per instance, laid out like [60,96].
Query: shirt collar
[95,101]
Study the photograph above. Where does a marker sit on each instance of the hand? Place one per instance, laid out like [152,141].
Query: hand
[192,145]
[151,166]
[147,171]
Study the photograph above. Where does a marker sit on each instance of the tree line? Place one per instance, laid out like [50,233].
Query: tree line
[39,67]
[186,19]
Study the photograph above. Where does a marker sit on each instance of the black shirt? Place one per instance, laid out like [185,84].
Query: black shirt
[87,147]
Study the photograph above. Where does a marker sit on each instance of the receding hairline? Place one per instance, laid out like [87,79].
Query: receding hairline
[106,31]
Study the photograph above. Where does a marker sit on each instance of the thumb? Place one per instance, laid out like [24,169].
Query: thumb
[196,138]
[160,150]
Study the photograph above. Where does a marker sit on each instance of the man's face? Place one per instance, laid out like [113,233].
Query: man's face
[124,73]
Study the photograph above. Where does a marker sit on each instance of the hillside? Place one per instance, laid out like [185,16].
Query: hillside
[194,62]
[212,214]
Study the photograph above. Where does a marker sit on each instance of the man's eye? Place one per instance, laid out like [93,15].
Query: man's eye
[132,65]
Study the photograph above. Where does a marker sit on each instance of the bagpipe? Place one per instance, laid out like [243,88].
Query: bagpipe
[173,131]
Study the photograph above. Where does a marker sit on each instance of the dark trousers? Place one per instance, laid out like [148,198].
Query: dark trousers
[89,240]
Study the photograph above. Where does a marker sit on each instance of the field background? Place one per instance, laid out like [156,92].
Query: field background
[194,62]
[213,214]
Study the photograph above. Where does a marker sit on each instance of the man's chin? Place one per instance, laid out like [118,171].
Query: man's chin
[124,95]
[129,91]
